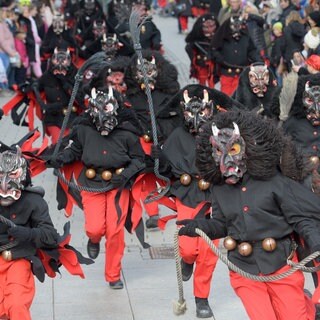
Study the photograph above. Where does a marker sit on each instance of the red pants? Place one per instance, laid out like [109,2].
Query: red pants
[54,132]
[278,300]
[229,84]
[17,289]
[101,220]
[196,250]
[183,20]
[205,75]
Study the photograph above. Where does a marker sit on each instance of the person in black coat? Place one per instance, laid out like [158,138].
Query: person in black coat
[258,204]
[105,140]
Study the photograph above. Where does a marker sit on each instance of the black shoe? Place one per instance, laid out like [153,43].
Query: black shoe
[203,309]
[152,222]
[186,270]
[116,284]
[93,249]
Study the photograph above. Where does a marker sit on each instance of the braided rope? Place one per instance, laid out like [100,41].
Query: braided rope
[135,27]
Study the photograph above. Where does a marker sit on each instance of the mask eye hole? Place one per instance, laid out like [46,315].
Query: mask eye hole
[308,101]
[235,149]
[14,174]
[218,152]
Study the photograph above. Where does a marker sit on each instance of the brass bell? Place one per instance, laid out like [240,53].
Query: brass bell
[238,70]
[203,184]
[146,138]
[106,175]
[7,255]
[245,249]
[74,109]
[269,244]
[314,160]
[119,171]
[64,111]
[90,173]
[229,70]
[229,243]
[142,86]
[185,179]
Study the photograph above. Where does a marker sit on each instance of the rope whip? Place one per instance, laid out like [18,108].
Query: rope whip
[180,305]
[135,25]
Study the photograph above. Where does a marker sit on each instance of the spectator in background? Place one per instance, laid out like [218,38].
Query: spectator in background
[286,6]
[7,52]
[311,43]
[309,66]
[46,13]
[234,7]
[36,64]
[294,32]
[20,44]
[277,49]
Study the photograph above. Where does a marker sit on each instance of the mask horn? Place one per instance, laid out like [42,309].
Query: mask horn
[186,97]
[110,92]
[215,130]
[236,130]
[205,96]
[93,93]
[307,86]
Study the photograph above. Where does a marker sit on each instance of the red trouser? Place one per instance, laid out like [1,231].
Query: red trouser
[183,20]
[54,132]
[278,300]
[197,250]
[17,289]
[205,75]
[101,220]
[229,84]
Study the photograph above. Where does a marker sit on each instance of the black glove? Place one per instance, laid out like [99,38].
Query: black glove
[1,113]
[190,225]
[22,233]
[118,180]
[54,163]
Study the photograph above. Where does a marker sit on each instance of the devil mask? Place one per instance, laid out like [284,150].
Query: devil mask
[151,73]
[237,24]
[209,27]
[60,62]
[311,102]
[99,29]
[259,79]
[196,111]
[89,7]
[103,110]
[110,45]
[13,175]
[228,152]
[58,25]
[116,80]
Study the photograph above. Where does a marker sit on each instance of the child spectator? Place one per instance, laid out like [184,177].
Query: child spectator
[21,70]
[276,59]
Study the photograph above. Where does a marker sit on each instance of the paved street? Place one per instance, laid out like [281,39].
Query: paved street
[150,280]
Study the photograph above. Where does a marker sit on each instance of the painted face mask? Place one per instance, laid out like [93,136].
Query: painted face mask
[196,111]
[228,152]
[13,174]
[116,80]
[151,73]
[259,79]
[311,102]
[122,10]
[58,25]
[110,45]
[103,110]
[99,29]
[60,62]
[236,25]
[89,7]
[209,27]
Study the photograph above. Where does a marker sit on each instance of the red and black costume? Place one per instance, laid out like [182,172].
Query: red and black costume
[198,48]
[163,83]
[258,90]
[191,193]
[53,91]
[29,243]
[258,208]
[105,140]
[233,50]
